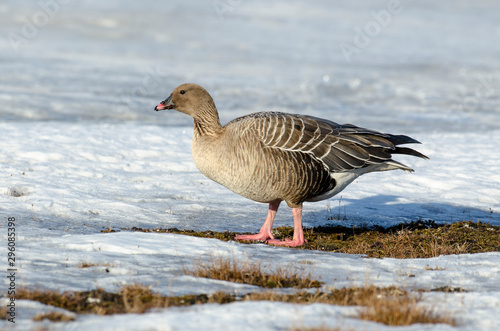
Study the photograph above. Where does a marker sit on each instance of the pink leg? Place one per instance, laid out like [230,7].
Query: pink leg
[298,232]
[265,231]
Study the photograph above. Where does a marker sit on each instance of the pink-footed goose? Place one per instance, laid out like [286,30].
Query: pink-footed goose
[272,157]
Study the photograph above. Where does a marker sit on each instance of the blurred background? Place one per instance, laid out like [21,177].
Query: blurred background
[404,66]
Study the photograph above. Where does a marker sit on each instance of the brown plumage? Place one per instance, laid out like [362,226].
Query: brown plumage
[272,157]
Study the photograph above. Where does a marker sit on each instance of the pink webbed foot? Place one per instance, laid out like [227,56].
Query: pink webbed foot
[298,232]
[265,231]
[287,242]
[261,236]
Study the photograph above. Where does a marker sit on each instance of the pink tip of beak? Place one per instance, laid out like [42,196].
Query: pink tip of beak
[161,106]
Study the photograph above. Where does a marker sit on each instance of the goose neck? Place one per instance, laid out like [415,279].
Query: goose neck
[206,121]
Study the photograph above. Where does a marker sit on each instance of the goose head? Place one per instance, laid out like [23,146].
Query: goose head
[187,98]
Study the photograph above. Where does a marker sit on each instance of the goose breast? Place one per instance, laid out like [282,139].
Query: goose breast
[266,157]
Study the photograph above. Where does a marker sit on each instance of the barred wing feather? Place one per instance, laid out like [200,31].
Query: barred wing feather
[340,147]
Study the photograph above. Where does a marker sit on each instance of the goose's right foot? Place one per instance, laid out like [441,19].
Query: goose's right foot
[261,236]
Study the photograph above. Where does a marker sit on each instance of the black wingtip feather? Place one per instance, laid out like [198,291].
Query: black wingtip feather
[402,139]
[408,151]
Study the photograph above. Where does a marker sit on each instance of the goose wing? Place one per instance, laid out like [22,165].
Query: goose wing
[339,147]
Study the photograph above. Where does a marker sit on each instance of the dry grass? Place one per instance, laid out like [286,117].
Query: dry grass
[419,239]
[352,296]
[232,270]
[404,244]
[130,299]
[448,289]
[54,317]
[319,328]
[84,264]
[436,268]
[390,305]
[402,309]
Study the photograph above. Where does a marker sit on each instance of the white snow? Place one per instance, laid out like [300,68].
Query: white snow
[82,150]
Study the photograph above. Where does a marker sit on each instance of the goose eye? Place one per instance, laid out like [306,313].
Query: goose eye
[182,92]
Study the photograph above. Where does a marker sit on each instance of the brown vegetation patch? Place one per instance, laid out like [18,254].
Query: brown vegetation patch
[448,289]
[419,239]
[232,270]
[390,305]
[85,264]
[54,317]
[352,296]
[130,299]
[402,309]
[319,328]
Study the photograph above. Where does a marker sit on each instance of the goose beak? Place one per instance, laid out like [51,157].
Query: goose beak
[166,104]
